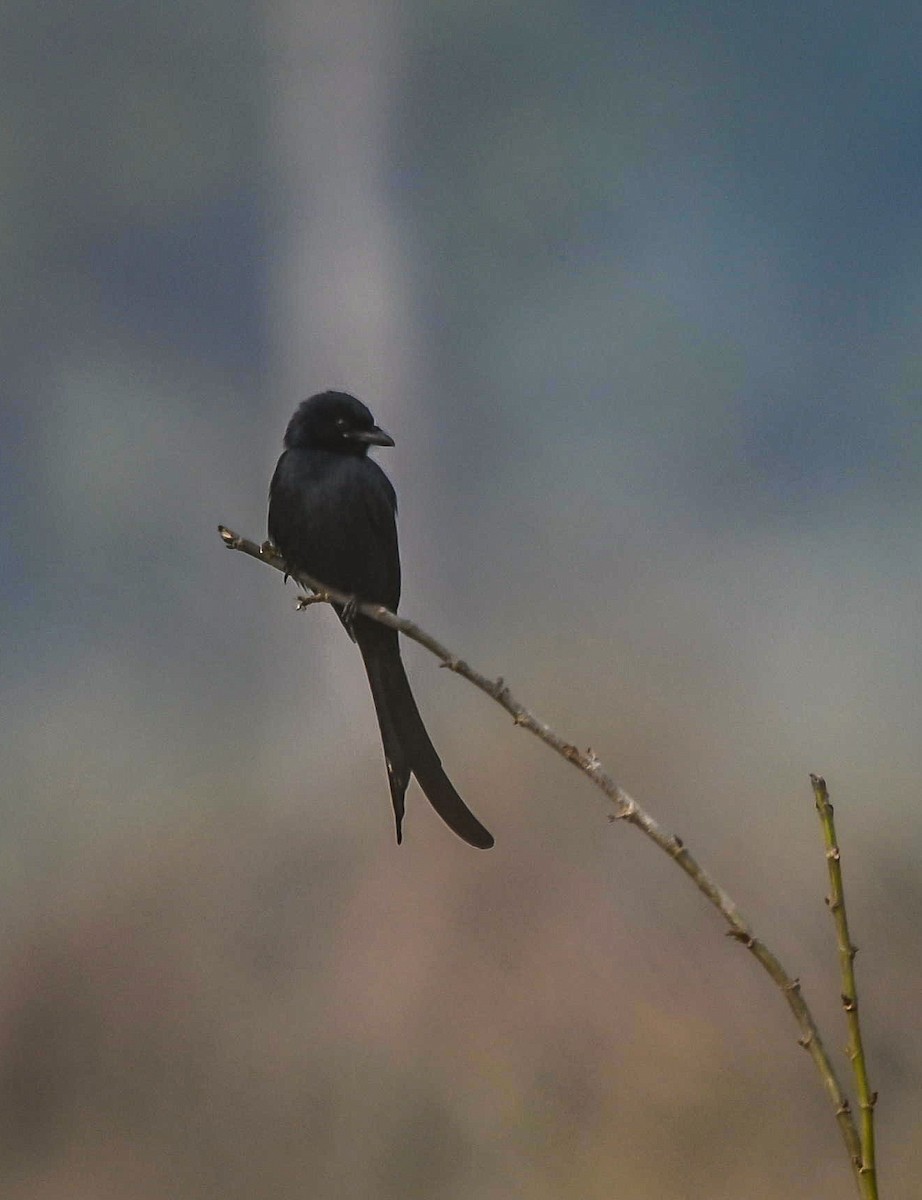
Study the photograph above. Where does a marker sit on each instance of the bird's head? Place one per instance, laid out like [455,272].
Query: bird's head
[334,421]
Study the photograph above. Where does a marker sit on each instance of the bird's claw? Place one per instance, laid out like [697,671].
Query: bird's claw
[306,599]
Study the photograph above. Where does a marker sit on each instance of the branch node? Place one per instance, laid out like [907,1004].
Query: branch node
[743,936]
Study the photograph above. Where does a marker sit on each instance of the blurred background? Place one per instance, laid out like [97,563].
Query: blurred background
[637,289]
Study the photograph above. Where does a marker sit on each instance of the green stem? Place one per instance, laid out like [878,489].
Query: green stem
[866,1166]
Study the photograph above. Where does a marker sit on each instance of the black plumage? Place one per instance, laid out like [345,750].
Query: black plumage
[333,516]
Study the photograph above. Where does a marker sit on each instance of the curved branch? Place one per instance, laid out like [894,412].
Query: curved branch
[626,809]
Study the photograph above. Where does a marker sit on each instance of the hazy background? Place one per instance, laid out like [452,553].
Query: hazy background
[637,289]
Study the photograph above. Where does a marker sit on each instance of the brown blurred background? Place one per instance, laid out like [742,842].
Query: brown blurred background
[637,289]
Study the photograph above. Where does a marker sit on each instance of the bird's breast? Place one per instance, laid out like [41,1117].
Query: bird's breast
[333,518]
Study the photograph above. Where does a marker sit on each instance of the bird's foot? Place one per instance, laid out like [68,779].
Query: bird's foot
[305,600]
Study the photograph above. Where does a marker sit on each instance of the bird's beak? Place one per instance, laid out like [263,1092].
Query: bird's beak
[371,437]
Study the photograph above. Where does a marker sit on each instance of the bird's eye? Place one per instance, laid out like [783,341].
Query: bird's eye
[340,422]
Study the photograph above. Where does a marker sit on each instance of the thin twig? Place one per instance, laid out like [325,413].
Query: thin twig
[867,1169]
[626,809]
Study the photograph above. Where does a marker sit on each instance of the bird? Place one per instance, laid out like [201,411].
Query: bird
[333,517]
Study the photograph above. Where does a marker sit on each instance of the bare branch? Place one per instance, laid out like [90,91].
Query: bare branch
[626,809]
